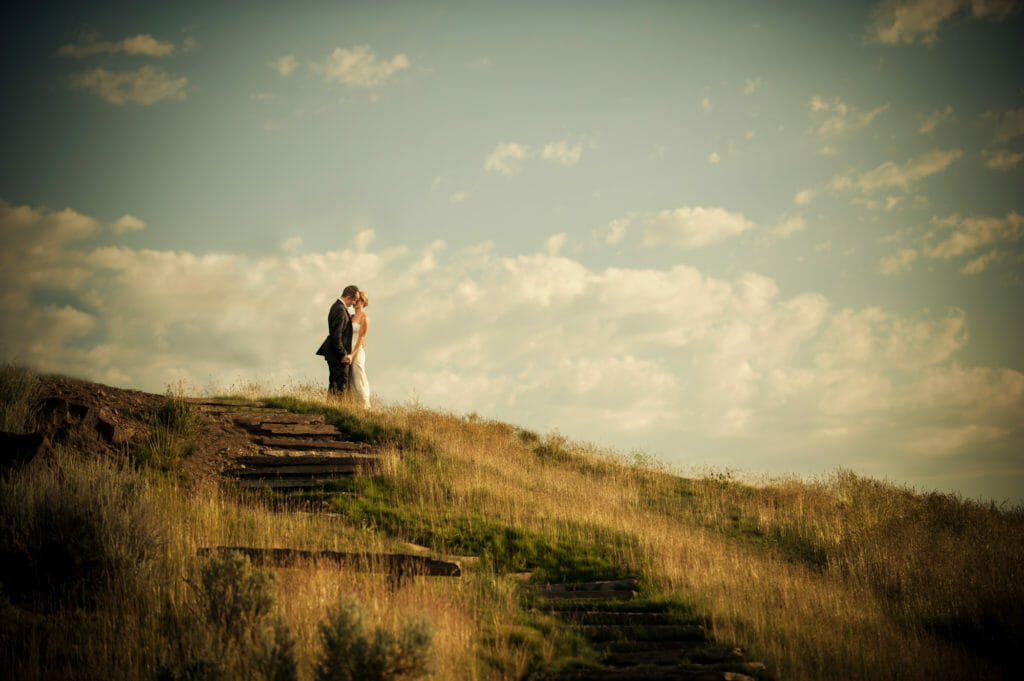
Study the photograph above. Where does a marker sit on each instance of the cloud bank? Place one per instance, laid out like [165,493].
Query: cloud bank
[695,368]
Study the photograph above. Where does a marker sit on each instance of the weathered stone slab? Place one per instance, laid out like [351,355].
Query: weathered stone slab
[620,618]
[669,673]
[628,584]
[308,482]
[654,632]
[259,461]
[255,418]
[400,563]
[345,467]
[311,443]
[298,429]
[588,595]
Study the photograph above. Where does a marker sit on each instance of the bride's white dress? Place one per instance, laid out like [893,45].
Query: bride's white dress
[360,384]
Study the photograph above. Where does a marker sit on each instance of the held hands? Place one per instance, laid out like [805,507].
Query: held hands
[347,359]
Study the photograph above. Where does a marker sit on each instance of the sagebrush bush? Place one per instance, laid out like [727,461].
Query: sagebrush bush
[351,652]
[233,634]
[71,530]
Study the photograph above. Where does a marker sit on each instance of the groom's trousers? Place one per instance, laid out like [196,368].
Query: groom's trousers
[339,376]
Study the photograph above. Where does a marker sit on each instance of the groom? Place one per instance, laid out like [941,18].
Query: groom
[337,347]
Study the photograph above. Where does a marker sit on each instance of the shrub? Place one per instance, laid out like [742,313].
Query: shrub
[176,426]
[352,653]
[72,530]
[233,635]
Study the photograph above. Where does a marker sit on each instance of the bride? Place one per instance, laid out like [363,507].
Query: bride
[360,325]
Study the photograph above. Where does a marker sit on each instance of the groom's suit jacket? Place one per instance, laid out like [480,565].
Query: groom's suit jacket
[339,333]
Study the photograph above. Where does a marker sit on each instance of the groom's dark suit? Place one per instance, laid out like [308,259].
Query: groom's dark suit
[337,344]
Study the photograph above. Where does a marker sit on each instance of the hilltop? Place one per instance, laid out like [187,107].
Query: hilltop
[109,497]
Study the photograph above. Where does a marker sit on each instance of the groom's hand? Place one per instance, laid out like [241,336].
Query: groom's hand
[347,359]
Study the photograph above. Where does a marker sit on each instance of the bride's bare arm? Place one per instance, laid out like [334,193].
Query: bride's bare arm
[363,328]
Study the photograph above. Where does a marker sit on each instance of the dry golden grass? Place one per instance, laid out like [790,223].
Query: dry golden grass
[840,578]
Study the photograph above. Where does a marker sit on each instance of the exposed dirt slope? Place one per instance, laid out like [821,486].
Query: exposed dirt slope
[99,420]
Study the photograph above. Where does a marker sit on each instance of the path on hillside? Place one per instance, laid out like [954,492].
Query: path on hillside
[638,639]
[291,451]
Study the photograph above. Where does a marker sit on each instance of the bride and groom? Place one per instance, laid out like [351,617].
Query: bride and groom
[344,347]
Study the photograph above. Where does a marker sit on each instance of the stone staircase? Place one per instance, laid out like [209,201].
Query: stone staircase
[292,451]
[636,639]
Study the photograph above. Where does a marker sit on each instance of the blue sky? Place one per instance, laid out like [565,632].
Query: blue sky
[780,238]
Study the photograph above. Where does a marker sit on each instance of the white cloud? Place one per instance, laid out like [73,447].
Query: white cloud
[506,157]
[616,230]
[752,85]
[127,223]
[1001,159]
[1009,124]
[978,265]
[142,44]
[896,22]
[936,117]
[459,197]
[902,175]
[359,66]
[538,339]
[899,262]
[963,235]
[561,152]
[146,86]
[286,65]
[693,227]
[705,104]
[804,197]
[841,119]
[556,243]
[789,226]
[713,157]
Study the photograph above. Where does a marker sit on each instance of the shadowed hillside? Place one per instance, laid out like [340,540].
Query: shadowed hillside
[109,497]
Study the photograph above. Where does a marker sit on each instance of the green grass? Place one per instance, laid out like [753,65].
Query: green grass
[175,428]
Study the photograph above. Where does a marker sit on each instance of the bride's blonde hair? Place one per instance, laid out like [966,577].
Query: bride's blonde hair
[362,297]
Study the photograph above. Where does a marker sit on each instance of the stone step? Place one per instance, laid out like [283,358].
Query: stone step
[696,651]
[255,418]
[305,459]
[609,617]
[589,596]
[228,404]
[628,584]
[297,429]
[343,468]
[652,632]
[649,674]
[693,652]
[289,483]
[310,443]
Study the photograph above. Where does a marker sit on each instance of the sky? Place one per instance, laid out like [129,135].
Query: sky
[773,238]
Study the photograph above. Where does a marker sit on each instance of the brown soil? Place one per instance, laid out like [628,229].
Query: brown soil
[98,420]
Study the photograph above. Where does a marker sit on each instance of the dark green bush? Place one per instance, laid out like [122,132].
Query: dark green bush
[234,635]
[353,653]
[73,530]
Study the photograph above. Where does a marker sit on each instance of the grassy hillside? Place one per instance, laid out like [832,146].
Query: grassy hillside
[841,578]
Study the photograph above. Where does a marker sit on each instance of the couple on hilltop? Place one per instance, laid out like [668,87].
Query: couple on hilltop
[344,347]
